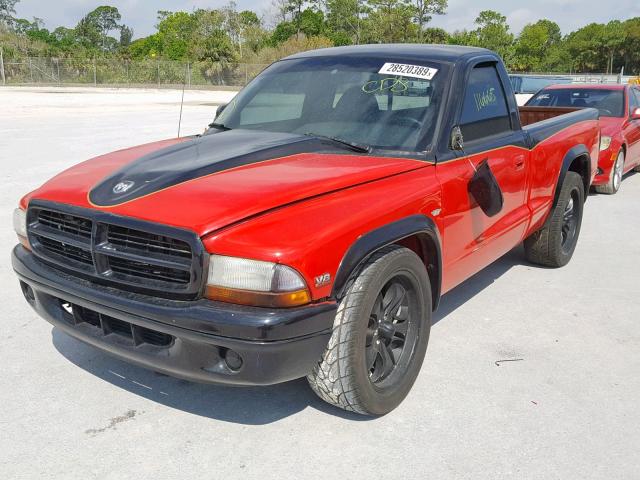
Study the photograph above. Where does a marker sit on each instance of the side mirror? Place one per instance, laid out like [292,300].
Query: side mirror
[457,140]
[220,109]
[635,115]
[484,189]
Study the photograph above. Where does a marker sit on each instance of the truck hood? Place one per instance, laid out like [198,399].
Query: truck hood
[206,183]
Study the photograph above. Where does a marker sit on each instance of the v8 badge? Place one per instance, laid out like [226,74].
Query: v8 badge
[322,280]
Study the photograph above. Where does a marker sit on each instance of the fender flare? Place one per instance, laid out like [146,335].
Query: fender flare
[575,152]
[388,234]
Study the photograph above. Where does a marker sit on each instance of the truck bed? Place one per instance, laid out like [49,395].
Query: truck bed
[529,115]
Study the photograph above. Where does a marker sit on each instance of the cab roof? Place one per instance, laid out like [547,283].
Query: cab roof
[442,53]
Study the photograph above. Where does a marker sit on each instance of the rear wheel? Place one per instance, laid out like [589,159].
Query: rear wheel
[553,245]
[615,179]
[380,335]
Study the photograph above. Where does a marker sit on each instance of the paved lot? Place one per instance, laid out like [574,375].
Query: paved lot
[568,409]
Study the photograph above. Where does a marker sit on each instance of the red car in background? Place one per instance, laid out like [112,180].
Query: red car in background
[619,107]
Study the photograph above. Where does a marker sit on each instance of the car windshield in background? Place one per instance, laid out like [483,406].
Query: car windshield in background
[534,84]
[383,104]
[610,103]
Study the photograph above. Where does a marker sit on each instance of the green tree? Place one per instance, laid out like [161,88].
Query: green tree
[7,10]
[95,27]
[538,47]
[344,19]
[424,10]
[175,34]
[631,47]
[295,9]
[390,21]
[254,36]
[309,22]
[493,33]
[612,41]
[210,40]
[126,34]
[584,48]
[435,35]
[65,38]
[463,37]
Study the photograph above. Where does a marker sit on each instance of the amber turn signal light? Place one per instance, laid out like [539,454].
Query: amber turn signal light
[258,299]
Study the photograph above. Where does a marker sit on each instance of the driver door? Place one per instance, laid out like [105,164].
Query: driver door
[472,238]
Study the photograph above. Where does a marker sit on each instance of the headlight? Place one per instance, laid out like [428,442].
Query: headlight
[20,222]
[254,282]
[605,142]
[20,226]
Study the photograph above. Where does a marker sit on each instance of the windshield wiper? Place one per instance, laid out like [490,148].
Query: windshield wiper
[221,126]
[356,147]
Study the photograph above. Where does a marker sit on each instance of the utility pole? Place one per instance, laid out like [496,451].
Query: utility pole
[4,80]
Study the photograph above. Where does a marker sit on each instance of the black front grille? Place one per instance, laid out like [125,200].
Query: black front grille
[62,249]
[149,271]
[147,243]
[161,260]
[107,325]
[65,223]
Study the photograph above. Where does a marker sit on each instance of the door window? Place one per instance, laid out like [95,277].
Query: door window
[484,109]
[634,100]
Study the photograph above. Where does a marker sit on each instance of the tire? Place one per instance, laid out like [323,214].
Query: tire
[553,245]
[615,179]
[353,373]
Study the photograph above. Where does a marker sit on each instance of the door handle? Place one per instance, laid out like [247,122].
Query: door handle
[519,162]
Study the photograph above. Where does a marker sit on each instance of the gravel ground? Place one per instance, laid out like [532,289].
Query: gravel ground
[567,409]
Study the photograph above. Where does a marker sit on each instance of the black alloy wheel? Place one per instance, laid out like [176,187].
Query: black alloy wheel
[391,333]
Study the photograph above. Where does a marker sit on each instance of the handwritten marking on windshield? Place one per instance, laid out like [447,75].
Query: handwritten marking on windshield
[394,84]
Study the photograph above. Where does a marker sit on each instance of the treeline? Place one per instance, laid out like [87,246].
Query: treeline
[226,35]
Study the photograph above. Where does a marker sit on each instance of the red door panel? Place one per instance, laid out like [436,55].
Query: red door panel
[472,240]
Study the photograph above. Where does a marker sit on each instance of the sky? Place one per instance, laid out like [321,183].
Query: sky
[141,14]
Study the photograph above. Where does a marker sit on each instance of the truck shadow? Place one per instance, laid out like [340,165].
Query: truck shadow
[242,405]
[245,405]
[477,283]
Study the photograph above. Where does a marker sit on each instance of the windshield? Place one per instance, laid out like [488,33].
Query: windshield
[534,84]
[346,98]
[610,103]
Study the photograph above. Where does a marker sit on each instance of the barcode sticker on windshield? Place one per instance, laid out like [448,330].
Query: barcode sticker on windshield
[415,71]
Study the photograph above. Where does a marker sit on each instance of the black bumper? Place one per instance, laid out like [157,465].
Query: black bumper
[198,341]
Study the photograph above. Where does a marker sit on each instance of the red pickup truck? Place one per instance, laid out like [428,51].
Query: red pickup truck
[313,228]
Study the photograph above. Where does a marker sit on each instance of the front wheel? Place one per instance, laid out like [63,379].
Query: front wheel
[553,245]
[380,335]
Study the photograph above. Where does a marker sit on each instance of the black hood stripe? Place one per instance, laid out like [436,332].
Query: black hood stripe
[199,157]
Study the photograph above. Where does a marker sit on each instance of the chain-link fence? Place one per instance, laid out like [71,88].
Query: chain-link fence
[82,71]
[161,73]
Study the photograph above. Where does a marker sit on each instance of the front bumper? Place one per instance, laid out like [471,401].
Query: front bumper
[201,341]
[605,165]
